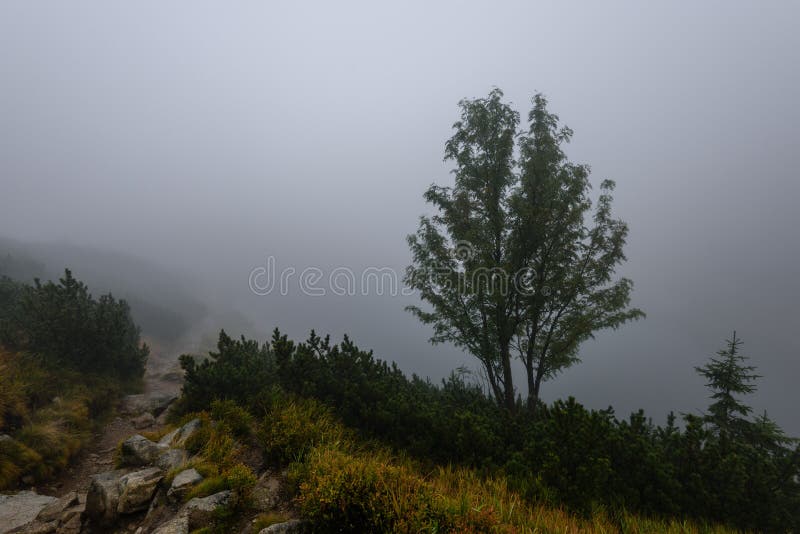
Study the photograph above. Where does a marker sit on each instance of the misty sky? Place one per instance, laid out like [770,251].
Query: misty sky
[208,136]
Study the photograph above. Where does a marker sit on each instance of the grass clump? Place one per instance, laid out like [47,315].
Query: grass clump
[53,443]
[47,414]
[293,426]
[217,460]
[363,492]
[16,459]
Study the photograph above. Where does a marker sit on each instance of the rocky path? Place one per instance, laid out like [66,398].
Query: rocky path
[162,383]
[136,413]
[118,485]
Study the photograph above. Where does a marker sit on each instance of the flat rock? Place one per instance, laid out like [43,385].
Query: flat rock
[136,489]
[200,510]
[21,508]
[182,483]
[138,450]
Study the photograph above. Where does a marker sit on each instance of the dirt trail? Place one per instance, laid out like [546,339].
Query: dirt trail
[161,377]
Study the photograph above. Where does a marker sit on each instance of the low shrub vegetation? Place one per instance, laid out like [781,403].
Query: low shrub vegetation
[447,458]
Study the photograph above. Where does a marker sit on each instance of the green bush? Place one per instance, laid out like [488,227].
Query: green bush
[64,325]
[237,371]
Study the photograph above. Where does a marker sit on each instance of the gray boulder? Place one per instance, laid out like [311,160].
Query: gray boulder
[138,450]
[182,483]
[200,511]
[178,437]
[172,459]
[166,439]
[102,499]
[21,508]
[136,489]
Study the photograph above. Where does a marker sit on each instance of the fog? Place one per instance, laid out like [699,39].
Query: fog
[205,138]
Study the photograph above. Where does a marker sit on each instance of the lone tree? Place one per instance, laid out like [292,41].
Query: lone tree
[514,264]
[729,377]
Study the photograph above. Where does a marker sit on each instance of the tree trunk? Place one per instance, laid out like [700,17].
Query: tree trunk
[498,394]
[510,401]
[531,381]
[534,385]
